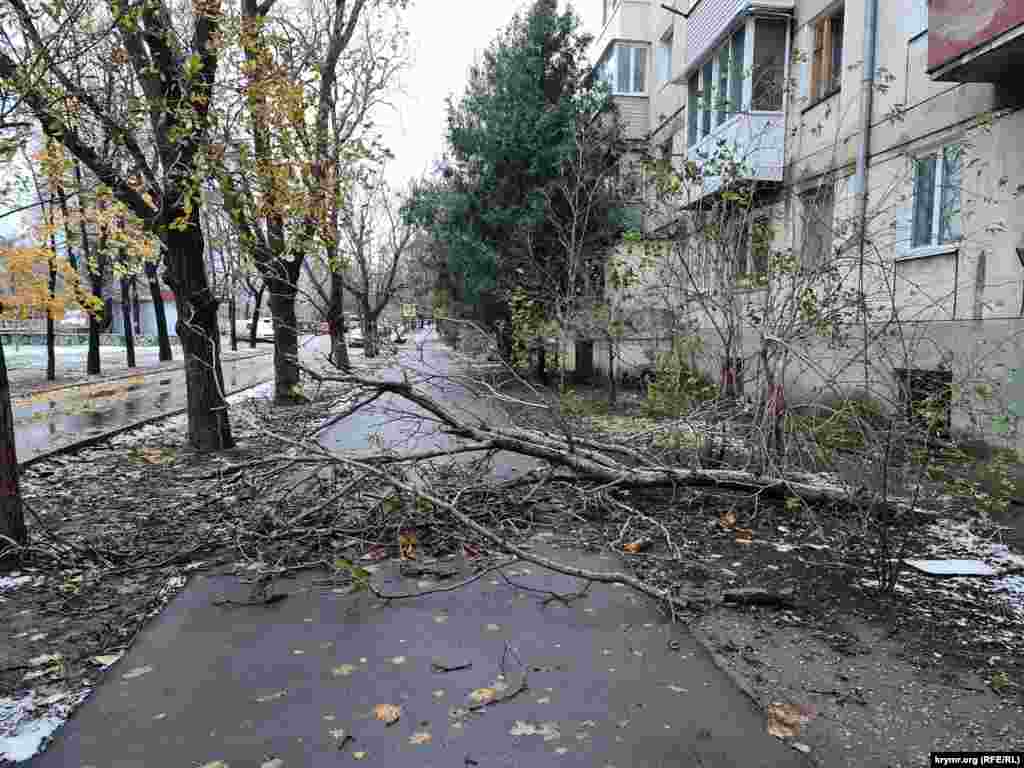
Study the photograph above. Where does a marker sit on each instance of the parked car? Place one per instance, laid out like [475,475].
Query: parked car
[264,329]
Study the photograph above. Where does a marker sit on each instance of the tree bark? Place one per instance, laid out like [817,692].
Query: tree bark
[208,425]
[163,340]
[287,382]
[336,324]
[233,319]
[371,342]
[12,512]
[51,335]
[126,318]
[613,387]
[256,315]
[92,366]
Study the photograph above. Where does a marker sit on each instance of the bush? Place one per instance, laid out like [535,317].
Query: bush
[840,424]
[678,387]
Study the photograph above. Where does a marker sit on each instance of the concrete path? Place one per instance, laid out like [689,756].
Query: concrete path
[608,684]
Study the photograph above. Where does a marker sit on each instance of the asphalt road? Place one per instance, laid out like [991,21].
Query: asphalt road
[62,417]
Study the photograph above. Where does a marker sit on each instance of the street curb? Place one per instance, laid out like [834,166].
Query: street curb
[178,365]
[722,663]
[94,439]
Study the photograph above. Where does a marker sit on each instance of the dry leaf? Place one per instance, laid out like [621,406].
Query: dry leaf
[420,737]
[387,713]
[727,519]
[359,755]
[744,535]
[215,764]
[398,660]
[271,697]
[137,672]
[344,670]
[483,695]
[637,546]
[407,545]
[784,720]
[105,660]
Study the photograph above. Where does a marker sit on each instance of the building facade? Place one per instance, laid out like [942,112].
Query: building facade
[881,139]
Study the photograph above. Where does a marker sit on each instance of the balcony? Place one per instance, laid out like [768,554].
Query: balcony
[972,42]
[711,20]
[757,140]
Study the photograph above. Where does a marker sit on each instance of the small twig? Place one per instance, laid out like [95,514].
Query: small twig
[449,588]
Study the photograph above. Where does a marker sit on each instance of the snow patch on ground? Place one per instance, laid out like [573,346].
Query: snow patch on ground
[27,725]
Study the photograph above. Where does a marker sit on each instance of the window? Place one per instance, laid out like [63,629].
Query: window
[769,63]
[737,75]
[692,108]
[722,92]
[827,58]
[818,212]
[663,62]
[707,86]
[624,69]
[936,216]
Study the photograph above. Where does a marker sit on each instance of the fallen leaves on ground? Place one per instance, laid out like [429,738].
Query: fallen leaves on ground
[359,755]
[137,672]
[548,730]
[784,720]
[420,737]
[343,670]
[387,713]
[727,519]
[407,545]
[744,535]
[483,695]
[635,547]
[271,697]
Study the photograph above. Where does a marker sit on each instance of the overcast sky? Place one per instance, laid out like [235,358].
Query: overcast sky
[446,36]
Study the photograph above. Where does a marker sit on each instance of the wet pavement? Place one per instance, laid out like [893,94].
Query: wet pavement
[399,425]
[55,419]
[608,683]
[602,681]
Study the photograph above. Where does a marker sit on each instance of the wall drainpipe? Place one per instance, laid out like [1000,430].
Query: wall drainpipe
[863,153]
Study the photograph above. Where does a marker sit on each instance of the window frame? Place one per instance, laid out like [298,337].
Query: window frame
[827,37]
[811,202]
[937,209]
[608,68]
[663,58]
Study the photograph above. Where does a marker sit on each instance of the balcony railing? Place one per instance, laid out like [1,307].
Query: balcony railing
[757,141]
[971,42]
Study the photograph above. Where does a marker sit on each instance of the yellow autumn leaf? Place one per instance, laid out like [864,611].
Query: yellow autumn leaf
[483,695]
[387,713]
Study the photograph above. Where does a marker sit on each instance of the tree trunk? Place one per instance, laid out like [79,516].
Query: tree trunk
[256,315]
[336,324]
[613,386]
[208,425]
[136,315]
[92,366]
[126,319]
[584,361]
[12,513]
[233,319]
[286,342]
[51,335]
[371,344]
[161,317]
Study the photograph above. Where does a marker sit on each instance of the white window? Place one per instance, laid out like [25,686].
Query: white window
[624,69]
[936,211]
[663,61]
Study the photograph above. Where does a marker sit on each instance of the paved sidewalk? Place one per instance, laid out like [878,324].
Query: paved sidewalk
[26,366]
[601,682]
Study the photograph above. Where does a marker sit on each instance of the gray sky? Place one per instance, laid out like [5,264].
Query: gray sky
[446,37]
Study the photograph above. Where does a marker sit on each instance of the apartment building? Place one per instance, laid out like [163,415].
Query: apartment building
[926,155]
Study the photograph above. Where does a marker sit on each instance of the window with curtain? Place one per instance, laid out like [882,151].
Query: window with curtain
[936,208]
[827,55]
